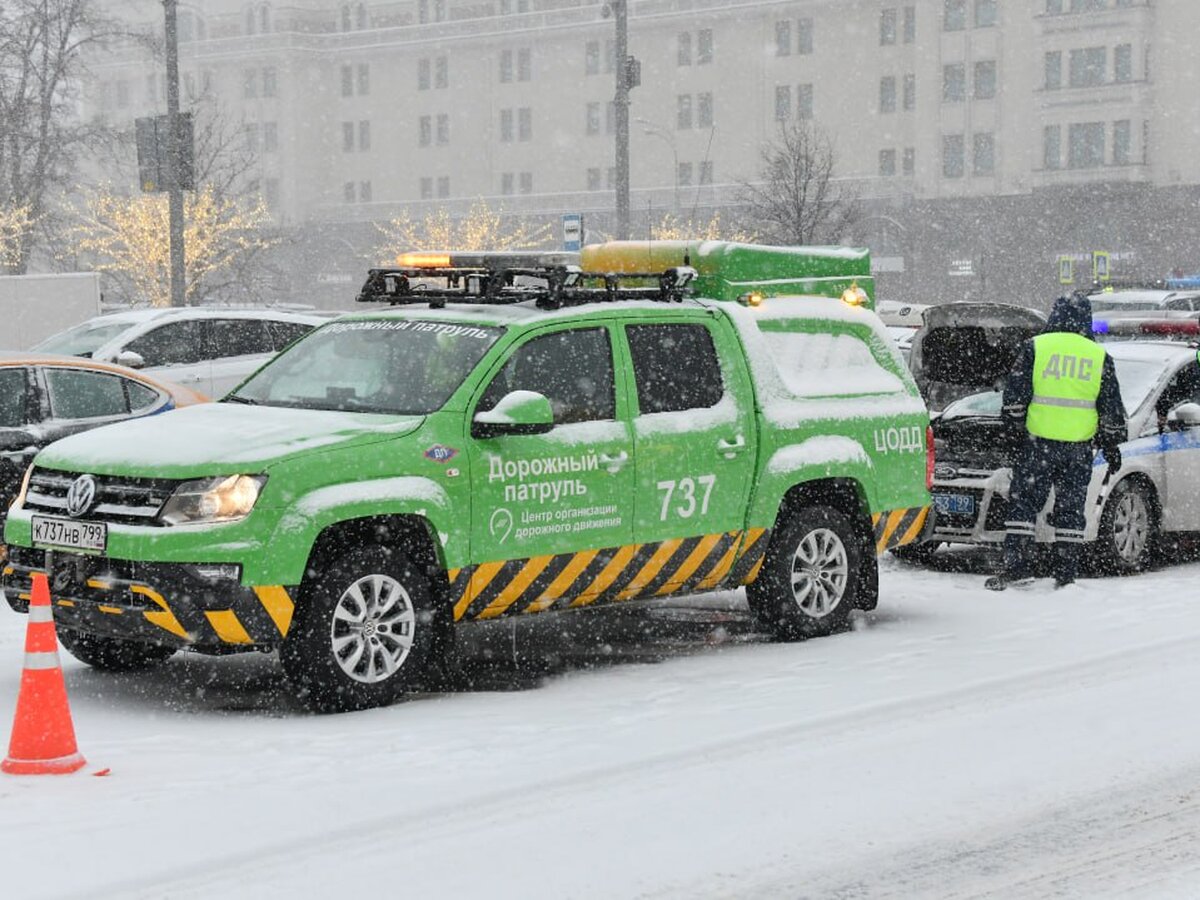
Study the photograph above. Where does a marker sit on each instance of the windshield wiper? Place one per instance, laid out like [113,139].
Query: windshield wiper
[237,398]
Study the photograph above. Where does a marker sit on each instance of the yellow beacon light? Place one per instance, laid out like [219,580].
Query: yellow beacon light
[424,260]
[854,296]
[752,299]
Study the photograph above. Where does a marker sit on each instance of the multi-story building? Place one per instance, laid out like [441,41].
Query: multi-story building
[986,137]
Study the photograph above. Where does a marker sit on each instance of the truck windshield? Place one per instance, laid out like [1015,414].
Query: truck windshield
[82,340]
[394,366]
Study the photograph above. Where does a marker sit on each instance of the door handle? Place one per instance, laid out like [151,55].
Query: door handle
[614,464]
[729,449]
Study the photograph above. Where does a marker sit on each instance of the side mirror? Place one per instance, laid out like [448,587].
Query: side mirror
[17,444]
[518,412]
[1185,415]
[130,360]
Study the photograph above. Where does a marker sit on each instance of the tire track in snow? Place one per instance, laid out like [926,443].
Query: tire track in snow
[494,811]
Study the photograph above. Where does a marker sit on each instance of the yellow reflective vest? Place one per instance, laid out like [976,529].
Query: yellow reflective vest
[1067,369]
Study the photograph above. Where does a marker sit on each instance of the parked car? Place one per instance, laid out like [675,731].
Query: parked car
[963,348]
[1133,300]
[1157,489]
[44,398]
[903,321]
[210,349]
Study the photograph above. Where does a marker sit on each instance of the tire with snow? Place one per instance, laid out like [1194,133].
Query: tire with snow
[809,578]
[364,633]
[110,654]
[1128,529]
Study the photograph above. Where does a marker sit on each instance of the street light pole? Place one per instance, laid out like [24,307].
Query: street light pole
[620,11]
[174,182]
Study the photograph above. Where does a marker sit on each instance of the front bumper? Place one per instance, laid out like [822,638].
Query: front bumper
[164,603]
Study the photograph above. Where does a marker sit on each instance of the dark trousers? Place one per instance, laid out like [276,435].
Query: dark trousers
[1042,465]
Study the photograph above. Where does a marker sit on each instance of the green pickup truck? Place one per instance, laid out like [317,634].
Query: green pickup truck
[504,436]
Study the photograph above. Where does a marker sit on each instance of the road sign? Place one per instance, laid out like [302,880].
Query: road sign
[1066,270]
[572,225]
[1100,267]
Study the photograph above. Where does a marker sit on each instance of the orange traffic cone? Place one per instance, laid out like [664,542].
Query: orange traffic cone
[43,738]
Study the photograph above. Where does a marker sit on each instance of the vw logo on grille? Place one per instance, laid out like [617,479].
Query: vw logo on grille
[80,495]
[944,470]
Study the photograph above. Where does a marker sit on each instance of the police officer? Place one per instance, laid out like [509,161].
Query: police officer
[1061,399]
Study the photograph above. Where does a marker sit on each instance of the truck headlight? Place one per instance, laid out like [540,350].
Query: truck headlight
[222,499]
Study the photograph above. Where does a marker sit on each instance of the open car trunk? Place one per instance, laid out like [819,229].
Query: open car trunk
[964,348]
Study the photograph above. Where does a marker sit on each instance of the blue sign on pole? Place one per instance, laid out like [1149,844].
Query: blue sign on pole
[572,225]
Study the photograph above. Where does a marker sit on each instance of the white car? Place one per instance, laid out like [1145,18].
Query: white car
[1157,489]
[1131,301]
[208,349]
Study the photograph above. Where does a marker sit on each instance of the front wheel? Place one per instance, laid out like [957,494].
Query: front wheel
[364,632]
[109,654]
[1128,529]
[810,575]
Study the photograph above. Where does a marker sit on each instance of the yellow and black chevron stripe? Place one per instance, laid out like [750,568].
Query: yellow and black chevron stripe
[608,575]
[897,527]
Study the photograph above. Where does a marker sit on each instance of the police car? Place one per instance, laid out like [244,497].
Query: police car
[1156,492]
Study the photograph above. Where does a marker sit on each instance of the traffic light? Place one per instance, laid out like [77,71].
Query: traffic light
[633,71]
[150,135]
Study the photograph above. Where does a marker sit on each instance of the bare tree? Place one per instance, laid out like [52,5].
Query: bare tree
[42,45]
[797,199]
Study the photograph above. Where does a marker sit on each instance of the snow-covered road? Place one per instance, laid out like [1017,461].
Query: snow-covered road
[957,744]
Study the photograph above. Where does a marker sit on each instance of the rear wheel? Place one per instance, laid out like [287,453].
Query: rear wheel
[364,632]
[1128,529]
[113,654]
[809,579]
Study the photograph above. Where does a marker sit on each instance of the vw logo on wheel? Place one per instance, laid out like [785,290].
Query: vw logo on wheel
[80,495]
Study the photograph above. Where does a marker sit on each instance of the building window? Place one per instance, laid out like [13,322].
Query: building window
[506,125]
[441,72]
[910,91]
[364,192]
[610,57]
[954,83]
[591,58]
[443,186]
[423,74]
[593,118]
[506,66]
[1123,62]
[347,81]
[952,155]
[1051,147]
[683,174]
[984,153]
[270,85]
[525,124]
[249,84]
[1122,137]
[704,110]
[804,101]
[610,118]
[704,47]
[364,79]
[1087,66]
[593,179]
[887,162]
[524,64]
[443,128]
[783,102]
[804,36]
[1053,70]
[910,24]
[425,131]
[954,15]
[364,135]
[250,136]
[1054,8]
[706,172]
[985,13]
[347,137]
[985,80]
[683,111]
[507,184]
[910,160]
[1085,145]
[887,27]
[348,192]
[887,94]
[270,135]
[610,178]
[1088,5]
[683,55]
[426,188]
[271,192]
[783,38]
[526,182]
